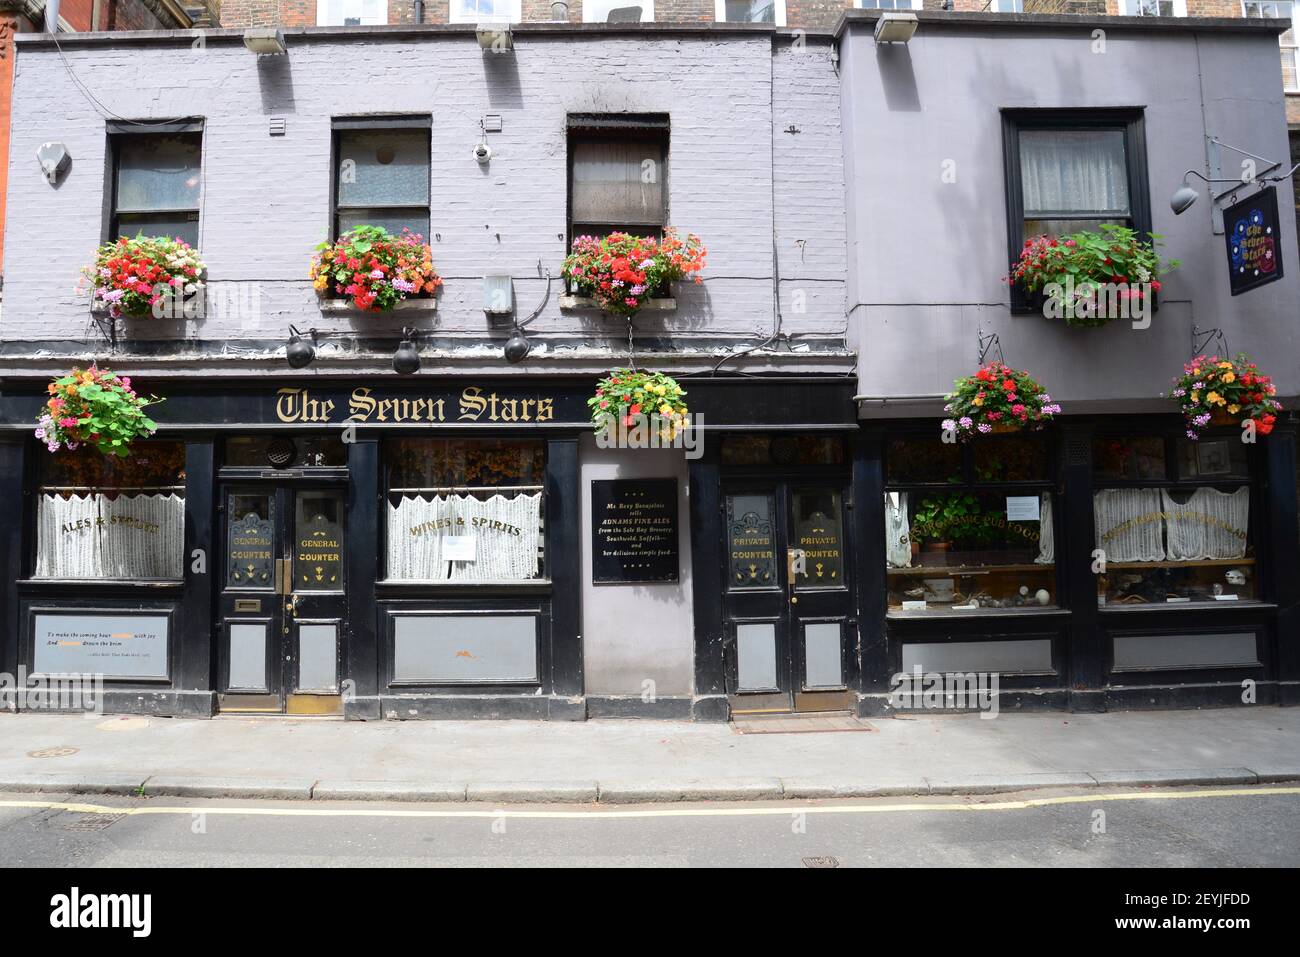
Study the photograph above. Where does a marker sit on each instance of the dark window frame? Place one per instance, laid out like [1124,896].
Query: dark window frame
[969,480]
[1129,120]
[616,127]
[377,124]
[119,132]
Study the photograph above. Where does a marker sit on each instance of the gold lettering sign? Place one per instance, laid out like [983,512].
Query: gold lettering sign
[473,405]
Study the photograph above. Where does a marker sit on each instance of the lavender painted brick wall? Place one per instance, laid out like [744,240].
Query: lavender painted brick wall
[266,199]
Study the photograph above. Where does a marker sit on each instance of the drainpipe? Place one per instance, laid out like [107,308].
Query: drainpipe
[95,10]
[419,10]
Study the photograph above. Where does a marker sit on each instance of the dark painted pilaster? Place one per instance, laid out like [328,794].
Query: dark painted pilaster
[1284,554]
[873,588]
[361,640]
[564,559]
[13,542]
[1075,542]
[195,657]
[706,569]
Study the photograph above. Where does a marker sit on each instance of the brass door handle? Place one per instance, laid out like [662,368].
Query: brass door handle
[293,606]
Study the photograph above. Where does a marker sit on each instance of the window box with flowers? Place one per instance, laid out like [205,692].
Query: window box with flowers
[147,277]
[1215,391]
[623,274]
[1090,277]
[997,399]
[368,269]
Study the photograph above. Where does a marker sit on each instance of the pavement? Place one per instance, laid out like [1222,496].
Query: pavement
[624,761]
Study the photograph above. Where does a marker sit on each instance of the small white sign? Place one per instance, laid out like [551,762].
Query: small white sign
[1226,597]
[1022,508]
[460,548]
[910,605]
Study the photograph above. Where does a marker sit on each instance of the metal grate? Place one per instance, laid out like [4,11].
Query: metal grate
[94,822]
[821,862]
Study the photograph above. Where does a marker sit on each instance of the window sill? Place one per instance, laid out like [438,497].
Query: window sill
[161,584]
[1249,604]
[343,307]
[586,302]
[443,584]
[939,612]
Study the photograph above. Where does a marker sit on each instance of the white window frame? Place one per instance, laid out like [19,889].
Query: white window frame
[1293,46]
[1132,8]
[997,6]
[720,12]
[351,8]
[647,10]
[869,5]
[512,14]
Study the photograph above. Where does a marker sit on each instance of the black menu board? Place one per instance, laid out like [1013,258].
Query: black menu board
[633,531]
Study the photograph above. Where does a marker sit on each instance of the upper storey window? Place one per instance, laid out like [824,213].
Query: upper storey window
[351,13]
[618,11]
[157,182]
[750,11]
[1284,10]
[484,11]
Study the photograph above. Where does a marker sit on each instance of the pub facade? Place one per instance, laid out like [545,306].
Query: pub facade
[408,514]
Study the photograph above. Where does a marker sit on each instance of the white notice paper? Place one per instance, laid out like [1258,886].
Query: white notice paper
[460,548]
[1022,508]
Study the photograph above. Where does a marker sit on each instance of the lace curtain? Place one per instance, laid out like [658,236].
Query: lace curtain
[418,528]
[898,540]
[1128,524]
[1073,171]
[112,537]
[1046,532]
[1212,524]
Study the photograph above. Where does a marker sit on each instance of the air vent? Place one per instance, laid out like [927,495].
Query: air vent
[281,453]
[278,126]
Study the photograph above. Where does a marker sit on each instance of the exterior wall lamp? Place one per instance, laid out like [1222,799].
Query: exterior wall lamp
[495,37]
[406,360]
[894,27]
[300,353]
[267,41]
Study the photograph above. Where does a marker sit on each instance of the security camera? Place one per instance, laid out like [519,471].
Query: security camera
[483,153]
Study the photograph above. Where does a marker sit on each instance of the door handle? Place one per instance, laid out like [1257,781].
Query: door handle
[293,606]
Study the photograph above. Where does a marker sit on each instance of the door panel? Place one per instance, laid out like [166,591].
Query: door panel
[283,600]
[788,599]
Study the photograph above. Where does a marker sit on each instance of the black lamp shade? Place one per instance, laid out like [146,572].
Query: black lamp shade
[406,360]
[516,347]
[299,353]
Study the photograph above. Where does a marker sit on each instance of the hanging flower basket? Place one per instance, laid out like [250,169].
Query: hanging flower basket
[94,407]
[621,273]
[997,399]
[1215,390]
[372,270]
[1091,277]
[146,277]
[628,399]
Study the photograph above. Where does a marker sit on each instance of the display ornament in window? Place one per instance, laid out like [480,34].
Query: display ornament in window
[1214,390]
[1090,277]
[997,399]
[147,276]
[622,272]
[375,270]
[94,407]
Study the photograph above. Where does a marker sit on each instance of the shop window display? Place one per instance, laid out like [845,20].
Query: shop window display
[1172,520]
[106,518]
[969,527]
[465,510]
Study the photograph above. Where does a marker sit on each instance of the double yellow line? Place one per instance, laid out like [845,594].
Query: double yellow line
[598,812]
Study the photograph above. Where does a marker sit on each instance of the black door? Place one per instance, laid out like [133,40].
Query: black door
[788,604]
[283,598]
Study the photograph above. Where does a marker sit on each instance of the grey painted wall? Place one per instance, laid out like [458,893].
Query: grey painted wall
[926,257]
[633,634]
[266,199]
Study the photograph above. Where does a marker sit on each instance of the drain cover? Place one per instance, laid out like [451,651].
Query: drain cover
[62,752]
[821,862]
[94,822]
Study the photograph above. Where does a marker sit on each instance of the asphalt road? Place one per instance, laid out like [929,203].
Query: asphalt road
[1236,827]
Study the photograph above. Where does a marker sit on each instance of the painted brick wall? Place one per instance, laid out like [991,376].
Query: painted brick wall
[266,199]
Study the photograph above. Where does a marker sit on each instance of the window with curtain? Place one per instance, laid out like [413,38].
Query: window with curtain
[750,11]
[887,4]
[382,178]
[465,510]
[1073,179]
[1172,517]
[617,177]
[969,527]
[351,13]
[616,11]
[157,185]
[105,518]
[1284,10]
[484,11]
[1153,8]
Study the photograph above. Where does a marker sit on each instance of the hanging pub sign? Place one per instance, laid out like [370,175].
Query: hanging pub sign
[1254,241]
[634,531]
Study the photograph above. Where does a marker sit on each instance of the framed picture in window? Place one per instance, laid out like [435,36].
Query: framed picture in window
[1213,458]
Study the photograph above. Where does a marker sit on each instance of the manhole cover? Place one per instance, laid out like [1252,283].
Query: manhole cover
[94,822]
[821,862]
[62,752]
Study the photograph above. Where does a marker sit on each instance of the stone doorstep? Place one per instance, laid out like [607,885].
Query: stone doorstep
[586,302]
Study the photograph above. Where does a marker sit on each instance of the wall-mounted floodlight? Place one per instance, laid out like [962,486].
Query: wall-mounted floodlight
[495,37]
[265,40]
[54,159]
[498,296]
[893,27]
